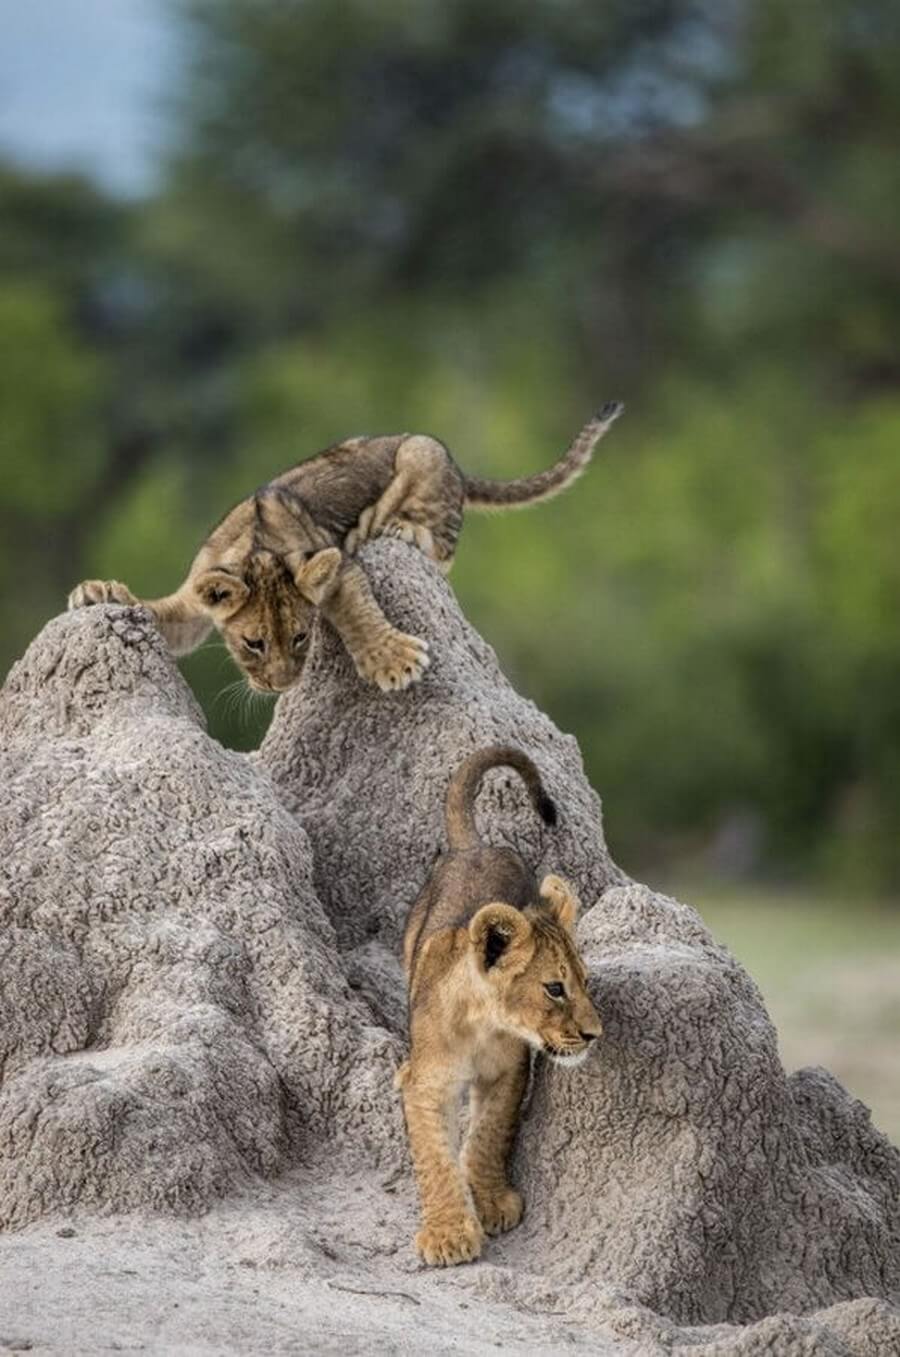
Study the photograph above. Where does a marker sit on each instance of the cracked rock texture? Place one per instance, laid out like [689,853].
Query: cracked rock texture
[200,991]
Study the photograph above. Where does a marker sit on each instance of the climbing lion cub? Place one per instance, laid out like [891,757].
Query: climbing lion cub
[285,552]
[492,970]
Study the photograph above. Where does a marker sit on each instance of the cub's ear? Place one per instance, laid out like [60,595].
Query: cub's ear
[499,935]
[561,900]
[219,593]
[317,577]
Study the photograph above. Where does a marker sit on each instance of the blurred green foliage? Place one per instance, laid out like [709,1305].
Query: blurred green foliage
[482,221]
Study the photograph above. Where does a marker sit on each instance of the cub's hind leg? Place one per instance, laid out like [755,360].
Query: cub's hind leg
[422,505]
[494,1110]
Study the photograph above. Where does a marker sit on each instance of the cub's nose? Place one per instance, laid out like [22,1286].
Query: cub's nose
[589,1036]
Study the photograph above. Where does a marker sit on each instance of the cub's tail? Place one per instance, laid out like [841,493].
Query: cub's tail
[530,489]
[465,785]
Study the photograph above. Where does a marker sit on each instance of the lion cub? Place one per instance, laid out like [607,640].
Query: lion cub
[492,971]
[284,553]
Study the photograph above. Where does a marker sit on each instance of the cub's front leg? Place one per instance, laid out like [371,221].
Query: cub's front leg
[451,1232]
[382,654]
[493,1114]
[179,617]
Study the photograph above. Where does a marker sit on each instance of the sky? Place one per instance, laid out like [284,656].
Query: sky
[81,86]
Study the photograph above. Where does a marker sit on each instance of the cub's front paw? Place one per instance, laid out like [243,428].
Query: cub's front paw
[498,1211]
[394,661]
[456,1240]
[99,591]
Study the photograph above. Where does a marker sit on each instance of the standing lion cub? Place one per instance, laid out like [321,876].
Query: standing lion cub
[285,552]
[492,971]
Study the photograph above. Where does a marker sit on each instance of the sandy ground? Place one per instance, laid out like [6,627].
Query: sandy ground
[277,1271]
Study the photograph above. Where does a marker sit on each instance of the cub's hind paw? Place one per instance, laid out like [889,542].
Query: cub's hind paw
[415,534]
[362,532]
[369,526]
[394,661]
[458,1240]
[498,1211]
[99,591]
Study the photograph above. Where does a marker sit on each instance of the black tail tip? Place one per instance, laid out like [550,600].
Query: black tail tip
[547,810]
[608,412]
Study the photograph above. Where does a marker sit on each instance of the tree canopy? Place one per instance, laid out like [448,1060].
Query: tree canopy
[482,221]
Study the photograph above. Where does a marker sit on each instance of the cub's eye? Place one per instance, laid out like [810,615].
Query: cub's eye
[556,989]
[300,639]
[255,644]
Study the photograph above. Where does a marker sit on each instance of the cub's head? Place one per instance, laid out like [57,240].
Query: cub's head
[265,607]
[532,976]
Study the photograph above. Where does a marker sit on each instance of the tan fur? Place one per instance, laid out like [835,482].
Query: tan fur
[283,555]
[482,943]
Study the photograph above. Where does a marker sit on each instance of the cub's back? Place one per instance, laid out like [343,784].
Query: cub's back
[459,884]
[337,484]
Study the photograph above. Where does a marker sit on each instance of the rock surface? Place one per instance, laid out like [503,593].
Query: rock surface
[200,1002]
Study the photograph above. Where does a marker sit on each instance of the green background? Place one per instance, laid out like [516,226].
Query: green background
[481,220]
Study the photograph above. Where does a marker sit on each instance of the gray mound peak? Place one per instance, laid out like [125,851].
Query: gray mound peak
[200,990]
[172,1016]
